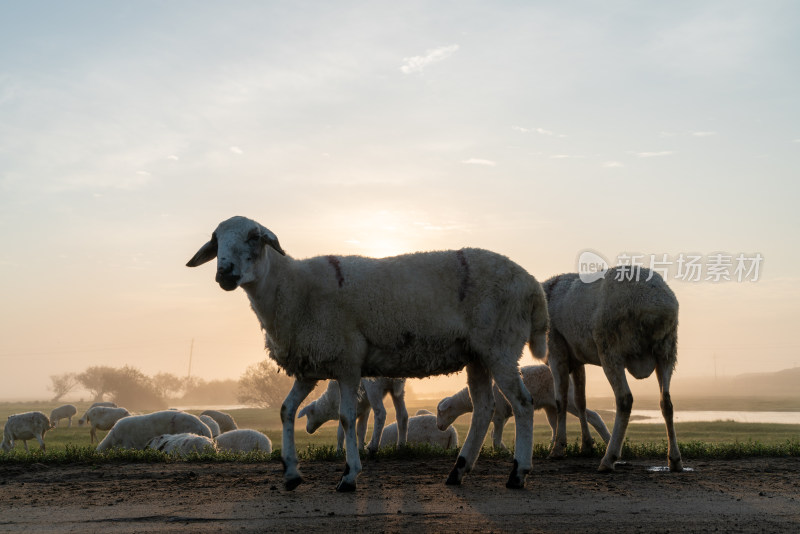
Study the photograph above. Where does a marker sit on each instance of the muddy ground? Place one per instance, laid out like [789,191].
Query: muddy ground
[750,495]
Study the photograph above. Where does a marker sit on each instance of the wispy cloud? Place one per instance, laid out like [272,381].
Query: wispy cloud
[612,164]
[236,150]
[654,154]
[540,131]
[478,161]
[703,134]
[418,63]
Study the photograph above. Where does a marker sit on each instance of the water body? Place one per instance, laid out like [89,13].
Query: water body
[654,416]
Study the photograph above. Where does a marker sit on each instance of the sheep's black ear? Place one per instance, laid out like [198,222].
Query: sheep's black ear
[304,411]
[268,238]
[206,253]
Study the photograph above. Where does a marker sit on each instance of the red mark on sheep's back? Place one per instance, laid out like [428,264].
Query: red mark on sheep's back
[462,289]
[333,260]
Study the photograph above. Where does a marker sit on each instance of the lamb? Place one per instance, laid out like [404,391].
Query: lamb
[244,440]
[63,412]
[135,431]
[181,444]
[103,418]
[626,320]
[25,426]
[370,395]
[539,381]
[423,429]
[106,404]
[225,421]
[211,424]
[415,315]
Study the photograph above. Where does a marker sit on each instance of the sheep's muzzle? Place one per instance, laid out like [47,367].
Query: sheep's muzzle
[226,279]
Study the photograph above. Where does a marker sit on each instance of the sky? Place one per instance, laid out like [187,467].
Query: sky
[539,130]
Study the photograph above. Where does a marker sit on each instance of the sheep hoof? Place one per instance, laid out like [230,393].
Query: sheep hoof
[292,483]
[345,487]
[516,480]
[454,478]
[676,466]
[605,468]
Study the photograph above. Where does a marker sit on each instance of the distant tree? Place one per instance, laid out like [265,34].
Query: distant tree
[131,388]
[201,392]
[263,385]
[168,386]
[95,379]
[63,384]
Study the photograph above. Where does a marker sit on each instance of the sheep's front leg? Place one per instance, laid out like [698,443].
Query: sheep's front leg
[347,418]
[664,374]
[578,401]
[480,390]
[300,390]
[510,383]
[560,390]
[40,439]
[619,383]
[375,397]
[399,401]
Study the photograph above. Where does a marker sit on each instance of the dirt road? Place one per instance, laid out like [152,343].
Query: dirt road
[751,495]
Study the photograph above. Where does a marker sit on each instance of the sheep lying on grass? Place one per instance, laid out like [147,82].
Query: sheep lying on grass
[423,429]
[211,424]
[415,315]
[539,381]
[182,444]
[105,404]
[135,431]
[102,418]
[63,412]
[626,320]
[224,420]
[244,440]
[370,396]
[25,426]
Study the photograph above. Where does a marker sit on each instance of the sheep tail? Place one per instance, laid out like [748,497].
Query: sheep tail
[540,324]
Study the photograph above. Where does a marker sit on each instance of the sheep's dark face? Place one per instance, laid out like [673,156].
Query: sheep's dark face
[238,244]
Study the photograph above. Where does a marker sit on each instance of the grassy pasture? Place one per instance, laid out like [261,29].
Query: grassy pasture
[700,437]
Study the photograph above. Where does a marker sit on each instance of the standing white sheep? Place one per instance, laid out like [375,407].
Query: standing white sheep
[539,381]
[212,424]
[370,396]
[135,431]
[626,320]
[244,440]
[423,429]
[63,412]
[181,444]
[224,420]
[25,426]
[105,404]
[415,315]
[102,418]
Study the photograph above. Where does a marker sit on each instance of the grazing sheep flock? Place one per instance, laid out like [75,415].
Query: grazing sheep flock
[63,412]
[102,418]
[370,397]
[223,420]
[212,425]
[625,320]
[135,431]
[105,404]
[415,315]
[25,426]
[539,381]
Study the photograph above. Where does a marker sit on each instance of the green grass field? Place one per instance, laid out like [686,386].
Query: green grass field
[719,438]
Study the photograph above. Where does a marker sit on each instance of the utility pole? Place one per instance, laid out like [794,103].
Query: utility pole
[191,349]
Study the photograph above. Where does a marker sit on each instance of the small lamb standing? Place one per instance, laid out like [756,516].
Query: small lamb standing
[211,424]
[224,420]
[423,429]
[25,426]
[63,412]
[415,315]
[181,444]
[370,396]
[244,440]
[135,431]
[626,320]
[102,418]
[539,381]
[105,404]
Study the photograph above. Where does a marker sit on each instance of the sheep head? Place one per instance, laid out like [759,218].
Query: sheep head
[445,414]
[238,244]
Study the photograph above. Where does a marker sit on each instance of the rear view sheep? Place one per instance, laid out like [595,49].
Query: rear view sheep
[370,396]
[422,429]
[244,440]
[63,412]
[105,404]
[415,315]
[182,444]
[224,420]
[102,418]
[539,381]
[626,320]
[211,424]
[25,426]
[135,431]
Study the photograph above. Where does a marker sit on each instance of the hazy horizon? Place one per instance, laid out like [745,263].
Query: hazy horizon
[540,131]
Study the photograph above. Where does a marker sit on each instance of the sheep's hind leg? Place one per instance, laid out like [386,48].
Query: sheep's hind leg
[511,385]
[291,474]
[347,418]
[578,399]
[480,390]
[401,414]
[375,397]
[664,375]
[615,373]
